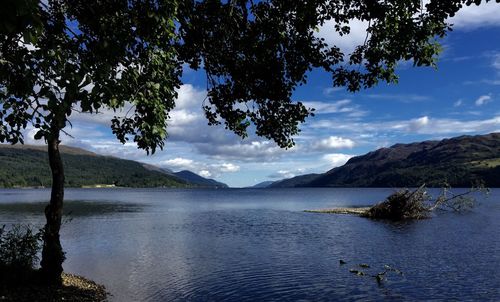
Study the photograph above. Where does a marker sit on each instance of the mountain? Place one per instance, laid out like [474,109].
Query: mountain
[264,184]
[189,177]
[297,181]
[196,179]
[459,161]
[27,166]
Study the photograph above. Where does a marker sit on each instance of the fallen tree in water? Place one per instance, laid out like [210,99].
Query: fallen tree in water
[419,204]
[413,204]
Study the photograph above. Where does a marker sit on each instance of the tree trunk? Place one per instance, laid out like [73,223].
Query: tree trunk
[52,254]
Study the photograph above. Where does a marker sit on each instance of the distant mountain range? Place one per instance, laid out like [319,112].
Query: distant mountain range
[189,177]
[263,184]
[459,161]
[27,166]
[198,180]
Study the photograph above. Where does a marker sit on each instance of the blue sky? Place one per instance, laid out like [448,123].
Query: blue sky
[461,96]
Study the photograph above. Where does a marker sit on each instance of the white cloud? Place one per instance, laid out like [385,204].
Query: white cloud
[247,151]
[422,125]
[190,97]
[482,100]
[496,61]
[458,103]
[473,16]
[201,168]
[403,98]
[227,167]
[483,81]
[342,106]
[187,118]
[182,118]
[328,107]
[419,123]
[331,90]
[188,124]
[337,159]
[346,43]
[111,147]
[205,173]
[187,112]
[29,136]
[333,142]
[102,117]
[445,126]
[287,173]
[178,162]
[282,174]
[92,137]
[358,113]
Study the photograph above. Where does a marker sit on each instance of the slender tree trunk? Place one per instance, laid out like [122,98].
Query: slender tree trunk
[52,254]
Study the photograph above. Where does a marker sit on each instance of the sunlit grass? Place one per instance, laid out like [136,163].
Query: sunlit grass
[486,163]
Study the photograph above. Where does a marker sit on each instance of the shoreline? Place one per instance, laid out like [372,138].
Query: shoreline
[74,288]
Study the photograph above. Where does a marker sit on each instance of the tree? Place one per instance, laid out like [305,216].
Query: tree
[60,56]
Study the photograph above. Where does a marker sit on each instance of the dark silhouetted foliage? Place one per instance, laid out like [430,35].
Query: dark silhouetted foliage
[20,246]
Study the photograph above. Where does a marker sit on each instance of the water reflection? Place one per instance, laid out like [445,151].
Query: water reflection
[72,208]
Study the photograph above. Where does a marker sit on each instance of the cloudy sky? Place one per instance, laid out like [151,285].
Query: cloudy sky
[461,97]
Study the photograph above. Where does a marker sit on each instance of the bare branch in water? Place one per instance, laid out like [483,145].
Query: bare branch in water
[418,204]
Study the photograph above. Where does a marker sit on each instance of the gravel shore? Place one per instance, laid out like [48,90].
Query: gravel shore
[75,288]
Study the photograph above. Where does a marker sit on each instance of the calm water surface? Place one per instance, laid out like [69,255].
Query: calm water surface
[259,245]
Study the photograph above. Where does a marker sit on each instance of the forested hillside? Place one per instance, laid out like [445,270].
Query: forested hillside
[27,166]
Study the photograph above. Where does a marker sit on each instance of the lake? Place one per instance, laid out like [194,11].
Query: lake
[259,245]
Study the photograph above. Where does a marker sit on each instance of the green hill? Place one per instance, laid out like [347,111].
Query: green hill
[27,166]
[460,161]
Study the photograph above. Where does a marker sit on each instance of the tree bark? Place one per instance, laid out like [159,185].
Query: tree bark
[52,253]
